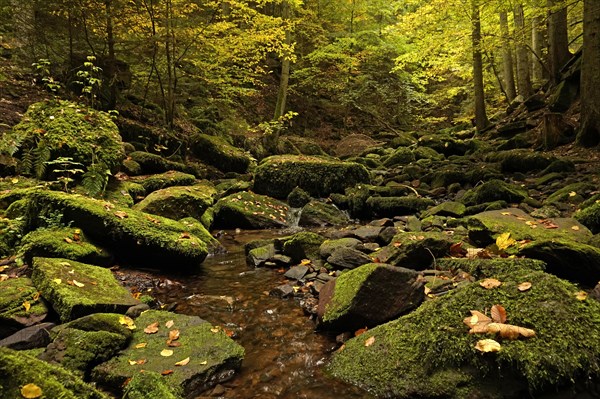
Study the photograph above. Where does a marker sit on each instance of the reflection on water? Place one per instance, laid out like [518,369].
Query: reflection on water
[284,356]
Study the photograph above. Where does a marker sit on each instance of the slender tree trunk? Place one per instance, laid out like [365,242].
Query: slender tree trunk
[523,64]
[111,62]
[537,44]
[589,133]
[558,39]
[481,120]
[507,58]
[285,67]
[170,84]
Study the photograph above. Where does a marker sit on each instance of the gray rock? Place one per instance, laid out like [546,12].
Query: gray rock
[258,256]
[296,272]
[328,246]
[36,336]
[348,258]
[367,233]
[282,291]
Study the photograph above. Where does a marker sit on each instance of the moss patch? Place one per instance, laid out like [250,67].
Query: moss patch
[303,245]
[317,213]
[14,292]
[217,152]
[163,180]
[494,190]
[179,202]
[590,217]
[395,206]
[250,211]
[149,384]
[100,292]
[152,163]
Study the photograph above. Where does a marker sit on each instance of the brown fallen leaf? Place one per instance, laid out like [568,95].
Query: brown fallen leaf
[185,234]
[524,286]
[477,322]
[169,324]
[183,362]
[173,335]
[488,345]
[370,341]
[166,352]
[510,331]
[31,391]
[36,296]
[151,328]
[173,344]
[360,331]
[68,240]
[498,314]
[121,214]
[490,283]
[457,251]
[166,372]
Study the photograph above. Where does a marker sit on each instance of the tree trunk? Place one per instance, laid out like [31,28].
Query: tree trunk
[589,133]
[111,62]
[507,57]
[285,66]
[558,39]
[537,44]
[481,120]
[523,64]
[171,78]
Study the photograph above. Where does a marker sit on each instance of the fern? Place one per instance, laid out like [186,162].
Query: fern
[27,160]
[41,155]
[95,179]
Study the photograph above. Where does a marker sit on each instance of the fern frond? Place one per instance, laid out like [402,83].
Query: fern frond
[95,179]
[42,155]
[26,164]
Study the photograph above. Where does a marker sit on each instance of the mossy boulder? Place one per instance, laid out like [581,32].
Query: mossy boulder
[369,295]
[329,246]
[14,294]
[231,186]
[397,206]
[84,343]
[570,194]
[298,198]
[317,213]
[218,152]
[213,356]
[129,234]
[521,160]
[494,190]
[66,242]
[415,250]
[153,163]
[247,210]
[277,176]
[448,208]
[427,153]
[18,369]
[429,352]
[446,144]
[590,217]
[150,384]
[163,180]
[401,156]
[57,128]
[179,202]
[303,245]
[11,232]
[75,289]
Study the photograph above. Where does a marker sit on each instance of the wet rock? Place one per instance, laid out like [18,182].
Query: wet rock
[277,176]
[415,250]
[393,206]
[282,291]
[401,156]
[296,272]
[367,233]
[75,289]
[14,293]
[348,258]
[298,198]
[317,213]
[161,181]
[494,190]
[36,336]
[328,246]
[368,296]
[18,369]
[303,245]
[282,260]
[369,247]
[214,357]
[136,310]
[449,208]
[258,256]
[247,210]
[179,202]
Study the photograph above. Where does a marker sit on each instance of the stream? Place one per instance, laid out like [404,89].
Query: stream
[285,357]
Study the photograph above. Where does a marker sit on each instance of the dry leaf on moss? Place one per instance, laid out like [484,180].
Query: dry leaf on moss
[504,241]
[488,345]
[183,362]
[151,328]
[498,314]
[31,391]
[370,341]
[524,286]
[490,283]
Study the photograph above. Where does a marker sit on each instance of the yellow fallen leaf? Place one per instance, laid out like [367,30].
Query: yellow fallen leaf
[183,362]
[36,296]
[78,284]
[204,362]
[524,286]
[506,213]
[166,352]
[31,391]
[15,181]
[132,362]
[215,329]
[68,240]
[370,341]
[121,214]
[490,283]
[504,241]
[581,296]
[27,306]
[141,345]
[575,228]
[127,322]
[64,264]
[3,268]
[488,345]
[3,277]
[169,323]
[305,262]
[572,194]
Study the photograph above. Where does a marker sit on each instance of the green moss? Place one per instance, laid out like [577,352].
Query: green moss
[328,246]
[303,245]
[395,206]
[250,211]
[346,289]
[565,194]
[179,202]
[101,292]
[277,176]
[217,152]
[448,208]
[70,130]
[18,369]
[416,250]
[520,160]
[11,231]
[198,229]
[317,213]
[150,384]
[487,268]
[69,243]
[152,163]
[298,198]
[494,190]
[429,352]
[590,217]
[164,180]
[427,153]
[402,156]
[13,316]
[129,234]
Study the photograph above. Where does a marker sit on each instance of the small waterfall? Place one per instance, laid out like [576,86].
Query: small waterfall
[293,217]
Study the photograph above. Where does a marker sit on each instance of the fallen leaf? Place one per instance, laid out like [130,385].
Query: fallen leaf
[68,240]
[305,262]
[151,328]
[121,214]
[572,194]
[510,331]
[204,362]
[457,251]
[15,181]
[488,345]
[169,323]
[498,314]
[524,286]
[477,322]
[185,234]
[141,345]
[173,335]
[360,331]
[166,372]
[132,362]
[31,391]
[166,352]
[490,283]
[3,277]
[397,244]
[183,362]
[370,341]
[506,213]
[581,296]
[215,329]
[575,228]
[504,241]
[229,333]
[127,322]
[36,296]
[173,344]
[78,284]
[27,306]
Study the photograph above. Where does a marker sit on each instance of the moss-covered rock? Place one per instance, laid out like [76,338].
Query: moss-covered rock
[231,186]
[427,153]
[15,295]
[163,180]
[570,194]
[521,160]
[129,234]
[494,190]
[218,152]
[298,198]
[429,353]
[319,176]
[67,242]
[75,289]
[179,202]
[303,245]
[401,156]
[250,211]
[445,144]
[57,128]
[150,384]
[590,217]
[11,232]
[397,206]
[415,250]
[18,369]
[213,356]
[487,268]
[317,213]
[448,208]
[152,163]
[329,246]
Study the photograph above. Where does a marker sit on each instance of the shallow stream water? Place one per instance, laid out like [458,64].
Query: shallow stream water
[285,357]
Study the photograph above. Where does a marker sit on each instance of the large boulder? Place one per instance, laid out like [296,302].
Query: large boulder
[277,176]
[317,213]
[159,181]
[430,354]
[494,190]
[20,305]
[367,296]
[179,202]
[416,250]
[590,217]
[520,160]
[75,289]
[397,206]
[57,128]
[219,153]
[132,235]
[18,370]
[303,245]
[247,210]
[152,163]
[206,354]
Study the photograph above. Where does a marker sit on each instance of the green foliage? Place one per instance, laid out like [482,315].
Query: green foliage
[44,75]
[66,170]
[89,80]
[95,179]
